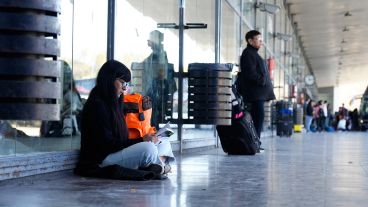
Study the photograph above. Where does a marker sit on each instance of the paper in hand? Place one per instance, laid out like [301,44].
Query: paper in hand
[165,132]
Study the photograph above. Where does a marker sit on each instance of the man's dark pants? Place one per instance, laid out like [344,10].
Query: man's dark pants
[257,113]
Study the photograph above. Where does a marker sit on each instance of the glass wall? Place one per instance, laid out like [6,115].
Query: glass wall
[270,29]
[230,35]
[80,61]
[199,47]
[152,53]
[90,26]
[249,11]
[278,53]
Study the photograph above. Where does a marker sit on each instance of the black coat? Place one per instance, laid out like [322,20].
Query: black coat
[309,110]
[99,137]
[254,82]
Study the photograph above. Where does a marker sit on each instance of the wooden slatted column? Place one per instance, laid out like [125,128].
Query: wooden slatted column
[29,70]
[209,93]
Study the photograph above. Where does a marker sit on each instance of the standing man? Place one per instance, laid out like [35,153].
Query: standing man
[254,82]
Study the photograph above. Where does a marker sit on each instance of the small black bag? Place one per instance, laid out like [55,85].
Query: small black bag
[241,137]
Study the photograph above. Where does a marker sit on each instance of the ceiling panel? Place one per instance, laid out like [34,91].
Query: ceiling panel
[336,44]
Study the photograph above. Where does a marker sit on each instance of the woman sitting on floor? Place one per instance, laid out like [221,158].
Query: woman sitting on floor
[106,150]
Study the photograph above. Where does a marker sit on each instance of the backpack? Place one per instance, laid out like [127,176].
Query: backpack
[138,112]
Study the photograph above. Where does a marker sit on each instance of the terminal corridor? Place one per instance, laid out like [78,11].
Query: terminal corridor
[193,68]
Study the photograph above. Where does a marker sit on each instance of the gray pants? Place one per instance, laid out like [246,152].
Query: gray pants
[140,155]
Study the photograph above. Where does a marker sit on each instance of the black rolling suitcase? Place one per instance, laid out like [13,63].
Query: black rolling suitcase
[284,119]
[284,128]
[241,137]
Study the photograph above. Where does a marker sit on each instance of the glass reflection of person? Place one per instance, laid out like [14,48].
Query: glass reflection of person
[154,77]
[71,106]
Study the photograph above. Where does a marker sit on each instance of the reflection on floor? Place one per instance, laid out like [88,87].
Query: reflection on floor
[320,169]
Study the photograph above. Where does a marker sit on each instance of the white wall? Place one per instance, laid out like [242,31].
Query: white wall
[346,93]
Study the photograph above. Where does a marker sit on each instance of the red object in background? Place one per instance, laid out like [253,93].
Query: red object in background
[301,98]
[293,91]
[271,65]
[82,90]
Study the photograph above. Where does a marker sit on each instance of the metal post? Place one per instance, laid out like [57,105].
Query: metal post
[110,29]
[240,47]
[255,14]
[181,27]
[218,8]
[181,71]
[218,31]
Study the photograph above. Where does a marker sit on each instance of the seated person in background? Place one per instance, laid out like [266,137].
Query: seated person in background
[106,150]
[71,108]
[7,131]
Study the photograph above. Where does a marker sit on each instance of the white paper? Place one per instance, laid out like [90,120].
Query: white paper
[161,132]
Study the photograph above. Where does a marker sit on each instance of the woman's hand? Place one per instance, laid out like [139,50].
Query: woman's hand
[150,138]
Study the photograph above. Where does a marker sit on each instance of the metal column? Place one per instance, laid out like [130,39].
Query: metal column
[181,71]
[218,31]
[110,29]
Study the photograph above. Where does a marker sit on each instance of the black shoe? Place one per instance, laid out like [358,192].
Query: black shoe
[156,168]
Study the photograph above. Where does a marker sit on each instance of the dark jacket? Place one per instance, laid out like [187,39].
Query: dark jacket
[309,109]
[254,82]
[99,136]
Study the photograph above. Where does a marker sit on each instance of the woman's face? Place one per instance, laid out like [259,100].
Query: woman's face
[120,86]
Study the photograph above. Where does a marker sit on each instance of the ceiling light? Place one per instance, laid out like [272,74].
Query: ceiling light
[348,14]
[346,29]
[270,8]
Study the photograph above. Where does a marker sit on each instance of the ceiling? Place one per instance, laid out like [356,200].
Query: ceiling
[334,35]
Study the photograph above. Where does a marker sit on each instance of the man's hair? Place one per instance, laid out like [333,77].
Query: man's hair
[251,34]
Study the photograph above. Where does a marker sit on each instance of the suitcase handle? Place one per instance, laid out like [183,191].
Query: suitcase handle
[238,97]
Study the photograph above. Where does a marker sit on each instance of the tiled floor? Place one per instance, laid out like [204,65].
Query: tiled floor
[320,169]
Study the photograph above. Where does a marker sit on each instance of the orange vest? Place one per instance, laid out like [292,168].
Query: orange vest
[138,111]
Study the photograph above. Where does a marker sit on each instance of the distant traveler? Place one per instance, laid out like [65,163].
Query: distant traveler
[325,115]
[254,82]
[344,111]
[309,115]
[319,116]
